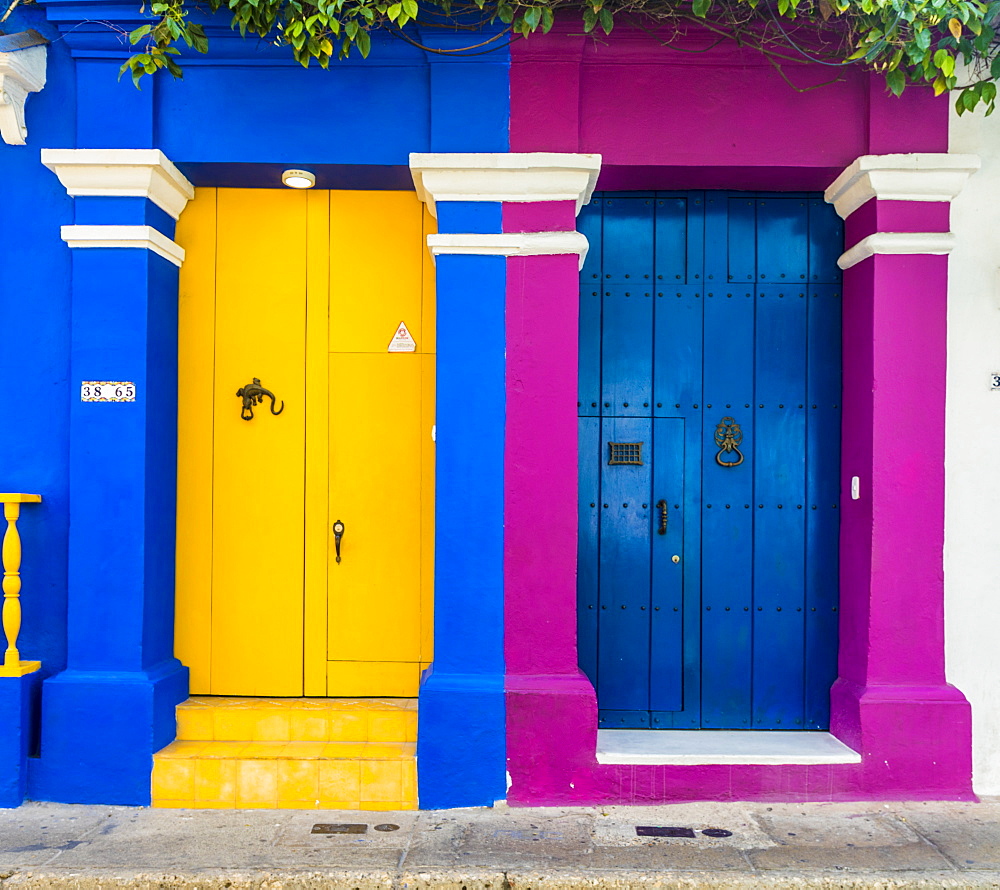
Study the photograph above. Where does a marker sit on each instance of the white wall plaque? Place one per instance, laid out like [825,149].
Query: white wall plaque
[107,391]
[995,381]
[402,341]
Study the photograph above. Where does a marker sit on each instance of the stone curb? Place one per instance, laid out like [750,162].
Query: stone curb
[487,880]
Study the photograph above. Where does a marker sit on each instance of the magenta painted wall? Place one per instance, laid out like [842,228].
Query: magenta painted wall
[722,119]
[626,102]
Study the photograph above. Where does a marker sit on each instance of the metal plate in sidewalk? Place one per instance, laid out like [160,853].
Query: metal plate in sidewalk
[663,831]
[340,828]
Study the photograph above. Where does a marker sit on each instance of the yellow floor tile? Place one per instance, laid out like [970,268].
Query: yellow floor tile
[194,723]
[173,780]
[234,724]
[308,726]
[408,780]
[348,726]
[381,780]
[272,726]
[298,780]
[305,750]
[387,726]
[215,780]
[256,783]
[339,780]
[262,750]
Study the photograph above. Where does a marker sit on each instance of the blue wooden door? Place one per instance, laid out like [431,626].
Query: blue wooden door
[709,403]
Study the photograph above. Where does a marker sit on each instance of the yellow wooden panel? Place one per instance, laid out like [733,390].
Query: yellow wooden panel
[375,488]
[196,366]
[317,529]
[371,678]
[429,343]
[257,602]
[427,466]
[376,254]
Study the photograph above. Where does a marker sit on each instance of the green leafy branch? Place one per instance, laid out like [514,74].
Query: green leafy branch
[948,45]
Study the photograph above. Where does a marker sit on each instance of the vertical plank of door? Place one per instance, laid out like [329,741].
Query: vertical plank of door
[780,462]
[428,389]
[823,484]
[428,452]
[257,609]
[317,501]
[624,624]
[628,239]
[666,669]
[727,492]
[195,374]
[589,375]
[677,393]
[588,554]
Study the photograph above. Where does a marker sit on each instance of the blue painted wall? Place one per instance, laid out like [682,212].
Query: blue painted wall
[112,313]
[34,360]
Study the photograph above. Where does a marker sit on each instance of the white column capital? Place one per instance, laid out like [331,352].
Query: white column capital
[512,177]
[121,173]
[900,177]
[21,72]
[136,237]
[934,243]
[511,244]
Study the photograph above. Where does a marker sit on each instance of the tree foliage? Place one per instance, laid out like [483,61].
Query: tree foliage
[949,45]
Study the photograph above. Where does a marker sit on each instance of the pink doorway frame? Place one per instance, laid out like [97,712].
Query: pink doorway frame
[891,701]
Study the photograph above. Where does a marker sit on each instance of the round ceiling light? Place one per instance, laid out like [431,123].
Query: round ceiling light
[298,179]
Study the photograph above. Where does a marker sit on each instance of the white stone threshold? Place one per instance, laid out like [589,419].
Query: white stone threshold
[708,746]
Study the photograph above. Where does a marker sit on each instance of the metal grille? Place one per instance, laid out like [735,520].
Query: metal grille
[625,453]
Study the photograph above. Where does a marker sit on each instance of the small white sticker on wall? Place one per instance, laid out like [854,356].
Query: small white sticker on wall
[995,381]
[401,340]
[107,391]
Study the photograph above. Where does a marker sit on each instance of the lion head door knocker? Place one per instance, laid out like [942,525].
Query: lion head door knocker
[253,394]
[729,436]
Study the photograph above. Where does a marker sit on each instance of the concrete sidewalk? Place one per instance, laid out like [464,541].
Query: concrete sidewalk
[771,845]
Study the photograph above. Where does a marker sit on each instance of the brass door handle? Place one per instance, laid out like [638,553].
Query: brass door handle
[338,533]
[661,505]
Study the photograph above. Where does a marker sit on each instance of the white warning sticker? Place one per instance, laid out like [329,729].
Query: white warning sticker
[402,341]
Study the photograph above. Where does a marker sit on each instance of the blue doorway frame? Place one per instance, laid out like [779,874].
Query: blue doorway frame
[710,360]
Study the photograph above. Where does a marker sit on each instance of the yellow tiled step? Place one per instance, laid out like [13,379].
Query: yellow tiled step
[286,775]
[232,719]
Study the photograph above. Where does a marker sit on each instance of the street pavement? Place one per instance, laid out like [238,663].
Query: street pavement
[733,845]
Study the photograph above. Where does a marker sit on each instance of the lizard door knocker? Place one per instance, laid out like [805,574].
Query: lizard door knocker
[253,394]
[729,436]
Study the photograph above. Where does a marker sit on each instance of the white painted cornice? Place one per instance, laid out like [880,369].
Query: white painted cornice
[21,72]
[121,173]
[513,177]
[511,244]
[937,243]
[141,237]
[913,177]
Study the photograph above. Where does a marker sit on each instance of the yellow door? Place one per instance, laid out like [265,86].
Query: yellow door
[305,291]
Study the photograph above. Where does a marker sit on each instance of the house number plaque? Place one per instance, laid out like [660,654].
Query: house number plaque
[107,391]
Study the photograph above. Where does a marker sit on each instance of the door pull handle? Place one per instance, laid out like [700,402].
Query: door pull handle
[661,505]
[338,533]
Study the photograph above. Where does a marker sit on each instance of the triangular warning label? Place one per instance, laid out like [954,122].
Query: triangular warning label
[401,340]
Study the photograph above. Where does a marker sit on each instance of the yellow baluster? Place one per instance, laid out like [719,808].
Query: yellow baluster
[11,554]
